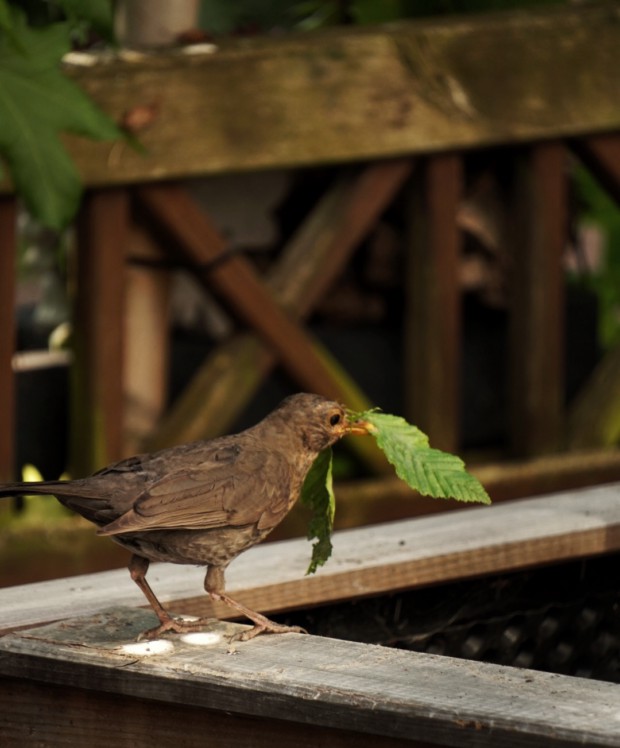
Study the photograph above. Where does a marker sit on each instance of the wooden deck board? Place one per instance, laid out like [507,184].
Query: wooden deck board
[314,681]
[366,561]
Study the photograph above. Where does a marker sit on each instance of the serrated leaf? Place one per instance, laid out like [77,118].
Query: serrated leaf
[37,102]
[317,493]
[429,471]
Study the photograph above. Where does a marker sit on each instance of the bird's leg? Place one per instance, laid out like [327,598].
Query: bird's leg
[214,585]
[138,566]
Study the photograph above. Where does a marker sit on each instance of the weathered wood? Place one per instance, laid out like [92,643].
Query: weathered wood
[304,680]
[37,714]
[536,237]
[309,264]
[236,280]
[97,391]
[359,93]
[8,251]
[433,297]
[601,154]
[366,561]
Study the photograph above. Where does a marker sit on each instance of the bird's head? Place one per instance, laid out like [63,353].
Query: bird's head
[319,422]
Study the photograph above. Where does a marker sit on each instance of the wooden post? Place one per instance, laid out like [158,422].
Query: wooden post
[147,336]
[97,407]
[8,221]
[432,311]
[536,236]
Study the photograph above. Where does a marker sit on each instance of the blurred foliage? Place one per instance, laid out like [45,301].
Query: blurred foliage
[38,102]
[600,210]
[222,17]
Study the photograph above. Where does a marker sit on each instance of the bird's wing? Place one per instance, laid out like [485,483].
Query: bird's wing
[250,486]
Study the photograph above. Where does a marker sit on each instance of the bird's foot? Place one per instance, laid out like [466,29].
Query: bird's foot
[177,626]
[262,624]
[266,627]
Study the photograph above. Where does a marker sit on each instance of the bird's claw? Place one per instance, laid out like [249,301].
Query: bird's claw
[266,628]
[177,626]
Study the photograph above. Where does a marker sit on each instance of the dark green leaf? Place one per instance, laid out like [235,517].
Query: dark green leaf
[317,493]
[37,102]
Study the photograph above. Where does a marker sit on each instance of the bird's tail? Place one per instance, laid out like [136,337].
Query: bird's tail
[42,488]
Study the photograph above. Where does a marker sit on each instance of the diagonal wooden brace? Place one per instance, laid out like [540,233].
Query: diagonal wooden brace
[309,264]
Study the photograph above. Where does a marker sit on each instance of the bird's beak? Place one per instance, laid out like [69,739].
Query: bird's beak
[360,428]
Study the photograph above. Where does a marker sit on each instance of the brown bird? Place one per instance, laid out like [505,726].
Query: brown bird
[204,503]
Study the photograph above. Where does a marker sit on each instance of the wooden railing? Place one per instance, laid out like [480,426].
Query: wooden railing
[409,100]
[71,670]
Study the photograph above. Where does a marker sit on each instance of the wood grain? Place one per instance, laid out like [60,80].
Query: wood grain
[366,561]
[359,93]
[303,680]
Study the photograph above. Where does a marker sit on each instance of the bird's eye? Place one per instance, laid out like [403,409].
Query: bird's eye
[335,419]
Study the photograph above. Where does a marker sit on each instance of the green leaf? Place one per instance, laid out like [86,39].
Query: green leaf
[37,102]
[429,471]
[317,493]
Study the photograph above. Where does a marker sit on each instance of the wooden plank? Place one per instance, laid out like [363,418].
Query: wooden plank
[358,93]
[536,237]
[432,313]
[235,279]
[308,266]
[307,680]
[601,154]
[97,392]
[35,714]
[8,271]
[366,561]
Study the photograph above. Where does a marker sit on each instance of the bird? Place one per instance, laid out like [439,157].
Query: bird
[205,502]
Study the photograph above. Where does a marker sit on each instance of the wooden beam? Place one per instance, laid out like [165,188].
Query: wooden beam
[536,237]
[35,713]
[308,266]
[366,561]
[235,279]
[433,297]
[8,273]
[99,319]
[353,94]
[57,677]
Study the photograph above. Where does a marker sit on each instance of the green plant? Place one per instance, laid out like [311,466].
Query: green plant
[428,471]
[38,101]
